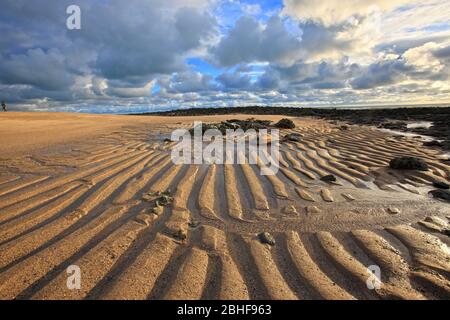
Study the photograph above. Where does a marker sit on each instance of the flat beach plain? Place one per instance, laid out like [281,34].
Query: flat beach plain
[74,190]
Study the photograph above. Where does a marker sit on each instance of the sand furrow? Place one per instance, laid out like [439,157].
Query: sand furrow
[190,280]
[98,261]
[346,263]
[232,195]
[163,183]
[206,197]
[30,241]
[94,174]
[394,269]
[17,185]
[310,165]
[138,183]
[293,177]
[274,282]
[428,251]
[33,219]
[20,209]
[321,283]
[23,274]
[256,188]
[232,285]
[184,188]
[138,280]
[296,165]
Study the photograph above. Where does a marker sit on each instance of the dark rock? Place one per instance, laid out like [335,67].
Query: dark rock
[394,125]
[285,124]
[344,127]
[441,185]
[180,234]
[440,194]
[408,163]
[433,143]
[266,238]
[293,137]
[329,178]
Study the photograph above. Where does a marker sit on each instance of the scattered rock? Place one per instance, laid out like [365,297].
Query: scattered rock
[266,238]
[285,124]
[193,224]
[296,137]
[180,234]
[143,219]
[329,178]
[235,124]
[433,143]
[394,126]
[408,163]
[158,210]
[441,185]
[393,210]
[440,194]
[290,209]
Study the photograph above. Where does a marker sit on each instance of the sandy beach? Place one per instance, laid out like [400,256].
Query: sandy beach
[78,189]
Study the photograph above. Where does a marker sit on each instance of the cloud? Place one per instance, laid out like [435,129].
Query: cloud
[140,55]
[251,41]
[331,12]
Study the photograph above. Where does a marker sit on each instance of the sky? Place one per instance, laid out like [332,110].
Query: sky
[154,55]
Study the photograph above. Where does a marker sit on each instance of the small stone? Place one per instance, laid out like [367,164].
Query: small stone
[296,137]
[329,178]
[180,234]
[194,224]
[392,210]
[158,210]
[266,238]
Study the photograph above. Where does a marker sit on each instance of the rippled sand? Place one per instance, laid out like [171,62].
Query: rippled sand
[74,190]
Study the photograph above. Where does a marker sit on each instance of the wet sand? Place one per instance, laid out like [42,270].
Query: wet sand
[77,189]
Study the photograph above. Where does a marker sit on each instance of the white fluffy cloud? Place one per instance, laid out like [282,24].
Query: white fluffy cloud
[332,12]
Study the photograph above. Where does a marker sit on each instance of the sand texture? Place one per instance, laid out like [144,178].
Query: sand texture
[77,190]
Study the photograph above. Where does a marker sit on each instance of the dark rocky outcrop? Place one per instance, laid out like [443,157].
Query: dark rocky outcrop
[441,185]
[285,124]
[408,163]
[440,194]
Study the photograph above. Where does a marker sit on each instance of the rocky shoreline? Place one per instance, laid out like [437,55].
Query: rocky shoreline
[393,119]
